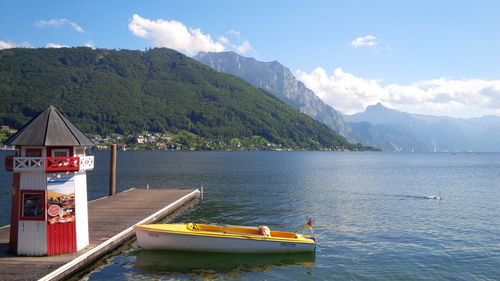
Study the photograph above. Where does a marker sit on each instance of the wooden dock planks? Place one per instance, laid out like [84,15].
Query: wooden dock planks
[109,217]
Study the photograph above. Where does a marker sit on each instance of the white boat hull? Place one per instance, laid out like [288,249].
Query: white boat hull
[149,239]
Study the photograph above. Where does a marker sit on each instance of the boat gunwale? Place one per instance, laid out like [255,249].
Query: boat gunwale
[302,240]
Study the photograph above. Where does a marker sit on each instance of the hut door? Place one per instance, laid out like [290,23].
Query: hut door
[61,227]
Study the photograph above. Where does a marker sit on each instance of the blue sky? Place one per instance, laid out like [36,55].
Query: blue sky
[436,57]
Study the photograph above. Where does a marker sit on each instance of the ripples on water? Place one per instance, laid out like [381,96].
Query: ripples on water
[372,220]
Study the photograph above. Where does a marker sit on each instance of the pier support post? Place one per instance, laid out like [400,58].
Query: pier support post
[112,171]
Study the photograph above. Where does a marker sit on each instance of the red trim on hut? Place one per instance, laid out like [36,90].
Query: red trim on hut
[14,213]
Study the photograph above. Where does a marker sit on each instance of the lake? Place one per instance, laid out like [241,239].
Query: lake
[371,218]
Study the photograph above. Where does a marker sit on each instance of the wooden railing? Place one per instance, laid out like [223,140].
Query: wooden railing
[49,164]
[28,164]
[62,164]
[86,163]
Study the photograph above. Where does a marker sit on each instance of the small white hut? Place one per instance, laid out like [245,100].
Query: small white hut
[49,196]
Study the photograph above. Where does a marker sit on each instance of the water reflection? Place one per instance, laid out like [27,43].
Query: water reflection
[196,263]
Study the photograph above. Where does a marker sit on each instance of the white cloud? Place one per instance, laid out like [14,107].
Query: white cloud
[241,45]
[234,32]
[9,45]
[223,40]
[54,45]
[90,44]
[59,22]
[368,40]
[459,98]
[244,47]
[174,34]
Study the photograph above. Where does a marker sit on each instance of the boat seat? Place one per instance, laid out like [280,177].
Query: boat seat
[264,230]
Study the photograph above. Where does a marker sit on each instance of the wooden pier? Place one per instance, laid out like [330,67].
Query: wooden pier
[110,224]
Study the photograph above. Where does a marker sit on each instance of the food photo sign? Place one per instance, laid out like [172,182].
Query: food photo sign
[60,198]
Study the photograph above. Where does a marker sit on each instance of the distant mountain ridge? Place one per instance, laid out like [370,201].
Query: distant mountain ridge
[378,126]
[395,130]
[278,80]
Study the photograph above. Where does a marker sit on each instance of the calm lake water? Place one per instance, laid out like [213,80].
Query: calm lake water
[371,219]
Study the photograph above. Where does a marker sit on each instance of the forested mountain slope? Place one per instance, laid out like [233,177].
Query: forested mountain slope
[122,91]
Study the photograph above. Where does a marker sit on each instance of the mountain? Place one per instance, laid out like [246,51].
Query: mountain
[394,130]
[379,114]
[378,126]
[122,91]
[278,80]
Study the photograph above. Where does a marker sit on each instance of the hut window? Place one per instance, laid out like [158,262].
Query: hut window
[32,205]
[79,152]
[60,152]
[33,152]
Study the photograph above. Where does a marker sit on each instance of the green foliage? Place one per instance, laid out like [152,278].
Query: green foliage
[6,133]
[121,91]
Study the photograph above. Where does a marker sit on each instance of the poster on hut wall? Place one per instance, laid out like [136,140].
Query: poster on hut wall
[60,198]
